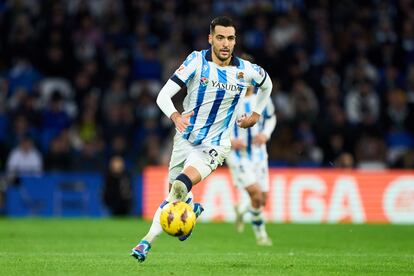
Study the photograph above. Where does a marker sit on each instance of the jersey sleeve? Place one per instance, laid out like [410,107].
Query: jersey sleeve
[269,109]
[187,70]
[258,75]
[269,119]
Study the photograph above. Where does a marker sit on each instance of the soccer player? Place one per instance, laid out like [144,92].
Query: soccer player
[216,81]
[249,167]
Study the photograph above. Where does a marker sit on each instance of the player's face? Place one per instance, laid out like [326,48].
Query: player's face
[222,42]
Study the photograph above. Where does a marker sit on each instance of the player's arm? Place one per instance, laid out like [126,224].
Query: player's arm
[261,101]
[181,77]
[269,126]
[237,144]
[166,105]
[270,121]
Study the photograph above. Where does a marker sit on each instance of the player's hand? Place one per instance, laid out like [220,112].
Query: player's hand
[248,121]
[181,121]
[237,144]
[260,139]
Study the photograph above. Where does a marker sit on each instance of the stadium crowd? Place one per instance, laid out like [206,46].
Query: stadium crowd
[78,79]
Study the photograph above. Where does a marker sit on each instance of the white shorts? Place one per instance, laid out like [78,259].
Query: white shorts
[204,158]
[246,172]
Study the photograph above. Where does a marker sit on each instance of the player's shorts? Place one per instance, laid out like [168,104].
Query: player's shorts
[246,172]
[204,158]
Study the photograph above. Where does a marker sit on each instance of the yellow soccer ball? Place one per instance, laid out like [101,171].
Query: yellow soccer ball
[177,218]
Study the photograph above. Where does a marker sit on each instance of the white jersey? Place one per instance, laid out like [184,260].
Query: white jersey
[214,94]
[264,125]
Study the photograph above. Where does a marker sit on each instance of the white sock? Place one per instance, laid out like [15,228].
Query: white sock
[156,229]
[258,222]
[190,199]
[244,203]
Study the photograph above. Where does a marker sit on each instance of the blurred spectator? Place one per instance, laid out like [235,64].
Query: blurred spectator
[398,121]
[59,156]
[405,161]
[344,161]
[24,159]
[304,101]
[22,76]
[55,118]
[115,95]
[117,192]
[362,104]
[338,63]
[283,102]
[409,84]
[285,32]
[28,107]
[87,39]
[20,128]
[90,158]
[309,152]
[370,152]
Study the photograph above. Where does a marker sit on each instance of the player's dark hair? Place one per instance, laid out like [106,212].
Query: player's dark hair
[221,21]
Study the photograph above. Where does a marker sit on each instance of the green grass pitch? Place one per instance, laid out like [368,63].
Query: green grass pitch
[102,247]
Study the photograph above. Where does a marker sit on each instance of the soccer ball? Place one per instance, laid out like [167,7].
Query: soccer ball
[177,218]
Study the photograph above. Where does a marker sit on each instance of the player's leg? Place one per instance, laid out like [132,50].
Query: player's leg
[196,167]
[257,217]
[264,198]
[178,177]
[263,176]
[242,176]
[201,163]
[241,208]
[179,154]
[141,250]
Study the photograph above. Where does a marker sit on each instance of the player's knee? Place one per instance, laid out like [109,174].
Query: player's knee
[256,199]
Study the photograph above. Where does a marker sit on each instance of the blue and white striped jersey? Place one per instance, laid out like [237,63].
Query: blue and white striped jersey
[264,125]
[214,94]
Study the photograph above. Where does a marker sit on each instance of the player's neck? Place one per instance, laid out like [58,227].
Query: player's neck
[219,62]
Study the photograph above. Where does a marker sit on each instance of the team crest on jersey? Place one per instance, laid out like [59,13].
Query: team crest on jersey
[181,68]
[240,75]
[204,81]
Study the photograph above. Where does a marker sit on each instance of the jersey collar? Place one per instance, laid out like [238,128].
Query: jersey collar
[234,60]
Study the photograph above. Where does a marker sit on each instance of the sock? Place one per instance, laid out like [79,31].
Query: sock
[244,203]
[156,229]
[180,188]
[258,223]
[190,199]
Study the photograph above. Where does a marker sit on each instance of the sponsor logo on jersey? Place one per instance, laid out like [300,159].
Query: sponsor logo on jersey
[225,86]
[203,81]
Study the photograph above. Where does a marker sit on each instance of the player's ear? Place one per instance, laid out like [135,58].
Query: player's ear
[210,39]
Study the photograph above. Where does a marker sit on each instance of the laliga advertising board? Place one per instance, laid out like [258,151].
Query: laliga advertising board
[302,195]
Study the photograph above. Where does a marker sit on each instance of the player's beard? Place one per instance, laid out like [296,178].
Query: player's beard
[219,56]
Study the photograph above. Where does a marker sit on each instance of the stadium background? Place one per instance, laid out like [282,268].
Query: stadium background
[79,80]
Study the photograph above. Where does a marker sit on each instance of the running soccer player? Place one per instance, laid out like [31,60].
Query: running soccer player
[216,80]
[249,167]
